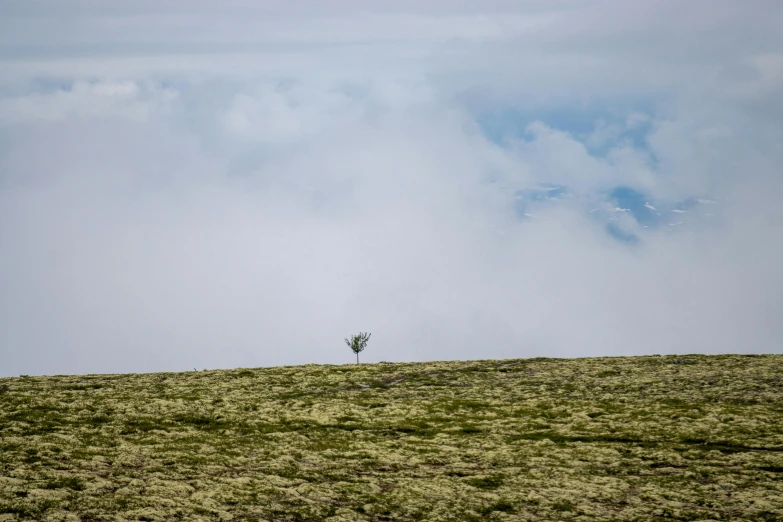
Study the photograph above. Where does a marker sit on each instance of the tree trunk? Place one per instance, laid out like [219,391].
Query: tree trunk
[357,357]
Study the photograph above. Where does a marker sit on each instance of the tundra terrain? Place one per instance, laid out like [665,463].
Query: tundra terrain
[624,438]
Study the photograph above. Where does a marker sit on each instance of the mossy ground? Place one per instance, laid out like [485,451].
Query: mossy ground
[632,438]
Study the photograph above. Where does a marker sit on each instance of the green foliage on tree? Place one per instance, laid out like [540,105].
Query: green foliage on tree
[358,343]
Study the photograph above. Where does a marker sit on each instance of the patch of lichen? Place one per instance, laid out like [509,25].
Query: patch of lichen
[637,438]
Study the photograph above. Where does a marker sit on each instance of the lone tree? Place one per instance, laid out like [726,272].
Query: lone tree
[358,343]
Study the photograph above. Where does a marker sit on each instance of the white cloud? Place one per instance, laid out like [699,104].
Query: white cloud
[234,189]
[635,119]
[87,99]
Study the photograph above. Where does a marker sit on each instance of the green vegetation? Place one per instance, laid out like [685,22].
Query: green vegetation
[636,438]
[357,343]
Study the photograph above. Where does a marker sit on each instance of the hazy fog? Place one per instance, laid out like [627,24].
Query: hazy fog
[236,183]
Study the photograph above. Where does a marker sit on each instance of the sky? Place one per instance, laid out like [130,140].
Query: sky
[198,185]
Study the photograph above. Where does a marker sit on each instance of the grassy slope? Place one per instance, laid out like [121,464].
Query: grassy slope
[638,438]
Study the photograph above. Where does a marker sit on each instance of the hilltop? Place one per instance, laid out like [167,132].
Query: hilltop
[624,438]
